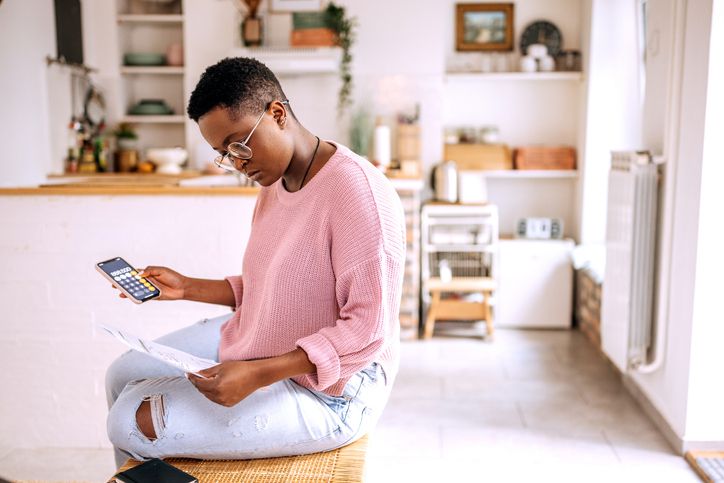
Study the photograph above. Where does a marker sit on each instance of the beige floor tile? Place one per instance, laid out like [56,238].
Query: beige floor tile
[412,442]
[531,446]
[468,388]
[416,413]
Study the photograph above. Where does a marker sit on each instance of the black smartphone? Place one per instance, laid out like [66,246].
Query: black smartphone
[127,279]
[154,471]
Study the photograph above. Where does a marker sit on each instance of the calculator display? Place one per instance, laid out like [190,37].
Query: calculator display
[126,277]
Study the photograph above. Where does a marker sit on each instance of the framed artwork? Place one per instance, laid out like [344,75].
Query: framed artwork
[295,5]
[483,26]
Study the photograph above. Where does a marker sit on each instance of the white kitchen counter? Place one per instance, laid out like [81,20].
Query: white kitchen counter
[54,360]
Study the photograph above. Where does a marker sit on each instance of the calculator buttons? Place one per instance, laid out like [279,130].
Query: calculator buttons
[133,272]
[152,289]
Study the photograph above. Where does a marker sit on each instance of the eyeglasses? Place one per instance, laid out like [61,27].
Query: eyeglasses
[238,152]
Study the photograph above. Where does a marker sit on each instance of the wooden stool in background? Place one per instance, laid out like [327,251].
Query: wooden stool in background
[441,309]
[342,465]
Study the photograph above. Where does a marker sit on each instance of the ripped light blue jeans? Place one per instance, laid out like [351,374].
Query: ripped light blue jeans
[280,420]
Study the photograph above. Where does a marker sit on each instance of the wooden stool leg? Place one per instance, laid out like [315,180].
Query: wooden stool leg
[430,321]
[488,314]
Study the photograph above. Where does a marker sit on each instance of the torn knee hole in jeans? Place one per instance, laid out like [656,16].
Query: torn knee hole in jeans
[157,412]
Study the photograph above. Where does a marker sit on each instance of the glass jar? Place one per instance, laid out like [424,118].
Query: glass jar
[489,135]
[467,135]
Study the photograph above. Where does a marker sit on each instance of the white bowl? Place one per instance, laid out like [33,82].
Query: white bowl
[167,160]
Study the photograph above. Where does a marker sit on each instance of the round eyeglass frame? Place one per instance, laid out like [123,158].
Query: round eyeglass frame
[239,150]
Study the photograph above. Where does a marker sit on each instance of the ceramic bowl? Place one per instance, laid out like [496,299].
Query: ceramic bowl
[167,160]
[143,58]
[150,107]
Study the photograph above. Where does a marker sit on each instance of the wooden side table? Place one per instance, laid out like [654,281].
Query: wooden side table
[442,309]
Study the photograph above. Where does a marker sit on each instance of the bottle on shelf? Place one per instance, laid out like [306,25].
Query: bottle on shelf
[71,161]
[87,160]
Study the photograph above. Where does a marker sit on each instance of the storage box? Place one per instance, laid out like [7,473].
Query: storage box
[317,37]
[545,157]
[408,142]
[479,156]
[311,29]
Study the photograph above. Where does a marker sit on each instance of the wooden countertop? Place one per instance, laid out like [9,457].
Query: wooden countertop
[112,184]
[129,190]
[190,183]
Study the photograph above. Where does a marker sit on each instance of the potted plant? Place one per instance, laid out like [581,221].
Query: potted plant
[126,137]
[344,28]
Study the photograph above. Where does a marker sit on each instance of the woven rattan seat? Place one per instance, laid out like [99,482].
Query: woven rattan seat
[345,464]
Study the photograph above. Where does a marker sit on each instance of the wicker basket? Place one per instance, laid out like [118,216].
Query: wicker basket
[545,157]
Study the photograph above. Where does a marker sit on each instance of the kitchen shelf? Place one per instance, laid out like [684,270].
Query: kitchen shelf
[532,174]
[295,61]
[152,70]
[459,247]
[515,76]
[148,18]
[171,119]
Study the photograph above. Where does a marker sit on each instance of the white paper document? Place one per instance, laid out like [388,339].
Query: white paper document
[173,357]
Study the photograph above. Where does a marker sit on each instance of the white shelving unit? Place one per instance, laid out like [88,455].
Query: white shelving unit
[150,18]
[541,108]
[409,192]
[295,61]
[529,109]
[151,33]
[154,119]
[514,76]
[152,70]
[532,174]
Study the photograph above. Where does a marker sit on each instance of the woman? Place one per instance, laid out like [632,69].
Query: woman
[308,357]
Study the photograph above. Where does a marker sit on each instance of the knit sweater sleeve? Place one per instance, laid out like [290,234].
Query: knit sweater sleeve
[368,256]
[237,286]
[370,292]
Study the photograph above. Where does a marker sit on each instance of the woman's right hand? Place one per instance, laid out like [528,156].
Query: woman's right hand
[171,283]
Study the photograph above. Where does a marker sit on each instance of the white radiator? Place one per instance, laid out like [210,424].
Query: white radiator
[628,287]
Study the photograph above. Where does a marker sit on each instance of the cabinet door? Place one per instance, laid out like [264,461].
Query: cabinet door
[535,284]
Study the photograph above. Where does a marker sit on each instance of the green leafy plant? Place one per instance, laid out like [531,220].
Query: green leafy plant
[344,27]
[126,131]
[360,133]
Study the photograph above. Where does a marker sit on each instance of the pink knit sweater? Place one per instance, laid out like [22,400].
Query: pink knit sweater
[323,271]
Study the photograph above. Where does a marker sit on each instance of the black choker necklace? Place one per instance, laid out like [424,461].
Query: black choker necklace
[310,163]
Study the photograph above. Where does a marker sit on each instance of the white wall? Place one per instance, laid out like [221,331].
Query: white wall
[24,124]
[706,400]
[689,303]
[611,118]
[54,359]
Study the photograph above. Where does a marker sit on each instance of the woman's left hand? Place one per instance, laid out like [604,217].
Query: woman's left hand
[229,382]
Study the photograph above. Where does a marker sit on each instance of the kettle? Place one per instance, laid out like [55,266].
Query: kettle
[445,181]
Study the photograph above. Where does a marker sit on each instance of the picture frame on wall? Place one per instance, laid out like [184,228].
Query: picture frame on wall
[279,6]
[484,27]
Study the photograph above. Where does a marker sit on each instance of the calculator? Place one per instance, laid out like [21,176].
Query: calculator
[127,279]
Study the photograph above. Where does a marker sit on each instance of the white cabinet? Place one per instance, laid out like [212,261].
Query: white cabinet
[535,284]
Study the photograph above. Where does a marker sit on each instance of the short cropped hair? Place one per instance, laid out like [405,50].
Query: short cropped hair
[241,84]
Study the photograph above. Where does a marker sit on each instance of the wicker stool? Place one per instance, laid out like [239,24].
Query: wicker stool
[459,310]
[344,464]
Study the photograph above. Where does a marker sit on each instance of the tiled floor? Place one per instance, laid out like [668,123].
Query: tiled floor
[530,406]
